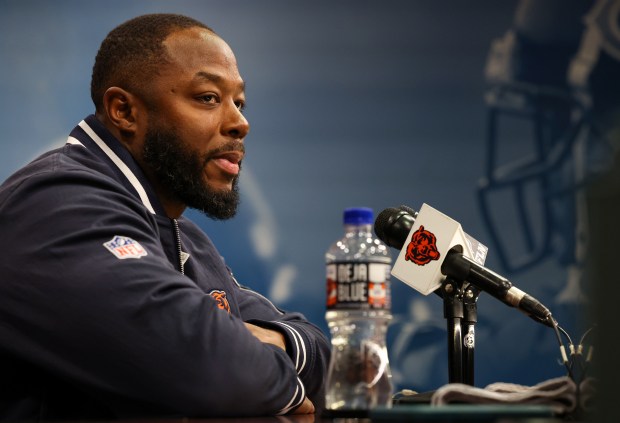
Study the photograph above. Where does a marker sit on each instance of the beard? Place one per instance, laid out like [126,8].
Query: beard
[181,171]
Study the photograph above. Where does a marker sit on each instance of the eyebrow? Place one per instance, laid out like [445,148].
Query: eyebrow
[203,75]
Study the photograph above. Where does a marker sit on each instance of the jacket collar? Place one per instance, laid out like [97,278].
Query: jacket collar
[93,135]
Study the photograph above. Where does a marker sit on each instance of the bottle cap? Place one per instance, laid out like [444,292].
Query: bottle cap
[358,216]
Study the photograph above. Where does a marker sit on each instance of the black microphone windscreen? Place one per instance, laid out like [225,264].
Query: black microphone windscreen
[393,225]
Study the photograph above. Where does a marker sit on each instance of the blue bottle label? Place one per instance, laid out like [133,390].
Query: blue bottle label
[354,285]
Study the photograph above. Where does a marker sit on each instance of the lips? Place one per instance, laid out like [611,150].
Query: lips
[229,161]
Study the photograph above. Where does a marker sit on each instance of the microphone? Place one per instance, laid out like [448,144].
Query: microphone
[434,246]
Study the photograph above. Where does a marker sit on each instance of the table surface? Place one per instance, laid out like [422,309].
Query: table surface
[400,413]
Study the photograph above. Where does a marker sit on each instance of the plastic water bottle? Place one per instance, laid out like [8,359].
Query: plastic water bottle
[358,314]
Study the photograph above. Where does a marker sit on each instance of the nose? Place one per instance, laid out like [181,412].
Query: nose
[234,124]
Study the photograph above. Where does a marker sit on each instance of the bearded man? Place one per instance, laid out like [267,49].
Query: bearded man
[112,304]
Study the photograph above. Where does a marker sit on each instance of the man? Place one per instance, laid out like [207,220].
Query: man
[113,305]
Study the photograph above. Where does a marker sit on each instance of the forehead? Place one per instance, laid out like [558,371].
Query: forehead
[197,51]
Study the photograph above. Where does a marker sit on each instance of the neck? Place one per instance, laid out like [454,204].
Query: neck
[173,207]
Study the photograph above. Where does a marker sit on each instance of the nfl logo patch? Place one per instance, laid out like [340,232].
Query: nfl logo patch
[124,247]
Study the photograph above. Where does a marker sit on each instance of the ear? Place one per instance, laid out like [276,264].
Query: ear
[122,110]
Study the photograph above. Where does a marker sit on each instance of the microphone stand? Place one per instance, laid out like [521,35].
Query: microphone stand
[460,311]
[470,317]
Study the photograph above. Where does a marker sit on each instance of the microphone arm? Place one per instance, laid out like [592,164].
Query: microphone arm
[460,267]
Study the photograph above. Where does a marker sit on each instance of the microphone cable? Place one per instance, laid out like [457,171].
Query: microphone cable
[575,357]
[564,358]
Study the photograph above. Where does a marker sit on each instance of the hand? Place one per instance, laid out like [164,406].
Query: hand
[306,407]
[268,336]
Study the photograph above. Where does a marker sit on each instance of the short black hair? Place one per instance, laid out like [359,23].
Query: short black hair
[130,54]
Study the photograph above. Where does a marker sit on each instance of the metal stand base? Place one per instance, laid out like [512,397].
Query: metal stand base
[460,311]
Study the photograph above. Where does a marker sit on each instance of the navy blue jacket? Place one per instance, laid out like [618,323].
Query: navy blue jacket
[109,309]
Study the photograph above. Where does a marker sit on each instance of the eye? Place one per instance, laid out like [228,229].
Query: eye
[208,98]
[240,105]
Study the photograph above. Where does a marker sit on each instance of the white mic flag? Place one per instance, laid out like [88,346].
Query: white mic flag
[431,237]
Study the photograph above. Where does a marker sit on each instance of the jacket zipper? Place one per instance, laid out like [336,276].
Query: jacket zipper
[177,235]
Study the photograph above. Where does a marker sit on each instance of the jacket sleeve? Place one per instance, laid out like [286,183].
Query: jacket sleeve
[134,333]
[306,345]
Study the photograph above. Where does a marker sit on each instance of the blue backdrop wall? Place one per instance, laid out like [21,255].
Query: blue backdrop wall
[351,103]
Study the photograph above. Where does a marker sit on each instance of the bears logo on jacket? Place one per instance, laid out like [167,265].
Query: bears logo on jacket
[423,247]
[220,298]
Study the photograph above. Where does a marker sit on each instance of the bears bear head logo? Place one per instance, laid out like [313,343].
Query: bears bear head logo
[423,247]
[220,298]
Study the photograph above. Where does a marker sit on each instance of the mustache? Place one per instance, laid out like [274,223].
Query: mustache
[233,145]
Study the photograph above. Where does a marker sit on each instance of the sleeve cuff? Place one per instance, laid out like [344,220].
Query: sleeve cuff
[298,351]
[298,397]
